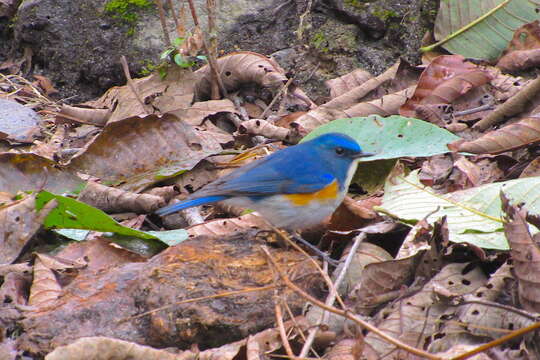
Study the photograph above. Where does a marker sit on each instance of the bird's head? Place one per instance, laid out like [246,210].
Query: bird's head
[339,146]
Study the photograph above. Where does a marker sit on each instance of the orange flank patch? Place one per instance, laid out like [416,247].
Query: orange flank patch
[328,193]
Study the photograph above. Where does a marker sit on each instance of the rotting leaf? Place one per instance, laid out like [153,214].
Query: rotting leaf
[443,81]
[222,227]
[139,152]
[524,50]
[413,319]
[525,254]
[27,172]
[175,92]
[19,221]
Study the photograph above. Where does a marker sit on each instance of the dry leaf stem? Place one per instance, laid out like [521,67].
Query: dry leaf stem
[130,83]
[512,106]
[346,313]
[163,22]
[332,295]
[212,62]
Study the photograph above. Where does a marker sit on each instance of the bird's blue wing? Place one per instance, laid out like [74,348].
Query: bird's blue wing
[294,170]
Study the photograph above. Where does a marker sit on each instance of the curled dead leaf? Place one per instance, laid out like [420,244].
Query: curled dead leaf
[116,200]
[525,253]
[347,82]
[239,68]
[510,137]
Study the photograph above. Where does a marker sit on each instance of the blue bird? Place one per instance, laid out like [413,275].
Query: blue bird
[294,188]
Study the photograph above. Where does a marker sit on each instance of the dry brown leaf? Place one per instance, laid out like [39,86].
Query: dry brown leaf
[19,221]
[240,68]
[514,105]
[510,137]
[523,51]
[453,332]
[21,172]
[525,254]
[99,254]
[264,128]
[199,111]
[193,44]
[173,93]
[45,287]
[143,151]
[380,278]
[347,82]
[103,348]
[346,349]
[532,169]
[385,106]
[419,315]
[114,200]
[353,214]
[443,81]
[221,227]
[46,84]
[471,171]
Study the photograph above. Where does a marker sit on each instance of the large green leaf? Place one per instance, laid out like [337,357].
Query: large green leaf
[481,29]
[391,137]
[73,214]
[473,215]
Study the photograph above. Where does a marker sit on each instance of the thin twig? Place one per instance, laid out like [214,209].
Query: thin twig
[512,106]
[175,17]
[212,44]
[325,276]
[499,341]
[281,327]
[163,22]
[346,313]
[212,61]
[281,91]
[130,83]
[332,295]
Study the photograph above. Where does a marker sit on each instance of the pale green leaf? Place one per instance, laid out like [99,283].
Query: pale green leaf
[473,215]
[481,29]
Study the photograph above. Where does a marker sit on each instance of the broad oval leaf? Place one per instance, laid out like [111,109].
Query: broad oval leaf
[473,215]
[391,137]
[491,25]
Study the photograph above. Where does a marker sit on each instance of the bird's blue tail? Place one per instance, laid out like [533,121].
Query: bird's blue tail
[189,203]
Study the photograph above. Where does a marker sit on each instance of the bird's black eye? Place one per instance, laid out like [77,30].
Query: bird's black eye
[340,150]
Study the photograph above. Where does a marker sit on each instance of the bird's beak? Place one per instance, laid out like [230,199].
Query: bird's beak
[363,154]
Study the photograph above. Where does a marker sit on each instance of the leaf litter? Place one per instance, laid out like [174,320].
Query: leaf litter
[435,246]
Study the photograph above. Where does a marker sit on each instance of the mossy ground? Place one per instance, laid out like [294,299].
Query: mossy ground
[127,11]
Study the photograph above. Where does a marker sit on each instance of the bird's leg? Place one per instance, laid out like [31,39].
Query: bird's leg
[283,236]
[315,249]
